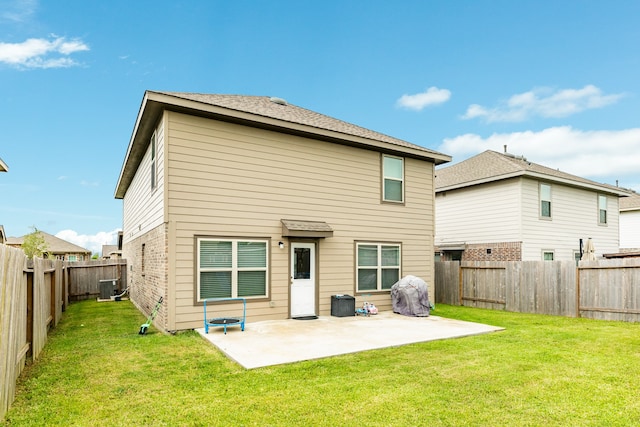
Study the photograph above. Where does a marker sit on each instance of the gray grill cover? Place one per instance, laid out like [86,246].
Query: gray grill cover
[410,297]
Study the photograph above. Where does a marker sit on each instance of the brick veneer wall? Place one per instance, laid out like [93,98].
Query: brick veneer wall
[500,251]
[146,287]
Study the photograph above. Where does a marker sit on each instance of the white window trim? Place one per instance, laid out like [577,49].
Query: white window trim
[606,210]
[379,266]
[154,161]
[234,265]
[384,178]
[540,200]
[549,251]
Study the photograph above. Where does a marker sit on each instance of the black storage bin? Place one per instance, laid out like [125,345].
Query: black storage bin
[343,305]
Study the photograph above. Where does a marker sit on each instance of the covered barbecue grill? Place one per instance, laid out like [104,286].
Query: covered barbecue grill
[410,297]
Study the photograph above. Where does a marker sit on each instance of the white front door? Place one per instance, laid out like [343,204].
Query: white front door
[303,279]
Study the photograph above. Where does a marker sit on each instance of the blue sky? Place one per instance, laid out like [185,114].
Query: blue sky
[556,81]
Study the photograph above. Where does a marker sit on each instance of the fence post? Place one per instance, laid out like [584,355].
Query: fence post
[460,284]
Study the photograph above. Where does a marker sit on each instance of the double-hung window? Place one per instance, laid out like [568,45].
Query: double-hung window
[231,268]
[545,201]
[392,179]
[602,209]
[378,266]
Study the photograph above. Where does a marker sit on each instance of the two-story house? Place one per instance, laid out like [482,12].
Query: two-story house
[501,207]
[228,196]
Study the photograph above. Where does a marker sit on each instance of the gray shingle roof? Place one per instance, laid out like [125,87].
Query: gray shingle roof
[631,203]
[266,107]
[55,245]
[493,166]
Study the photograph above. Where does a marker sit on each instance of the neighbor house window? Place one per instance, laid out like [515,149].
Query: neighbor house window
[378,266]
[545,200]
[547,255]
[392,179]
[602,210]
[231,268]
[153,161]
[72,258]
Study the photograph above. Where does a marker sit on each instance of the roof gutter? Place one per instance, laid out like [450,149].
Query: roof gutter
[540,176]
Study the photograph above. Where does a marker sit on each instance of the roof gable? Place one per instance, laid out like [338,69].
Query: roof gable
[261,112]
[491,166]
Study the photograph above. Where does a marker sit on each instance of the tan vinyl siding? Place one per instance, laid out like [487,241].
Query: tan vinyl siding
[574,216]
[228,180]
[143,208]
[479,214]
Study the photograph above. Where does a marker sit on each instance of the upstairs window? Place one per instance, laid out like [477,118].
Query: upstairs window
[602,210]
[392,179]
[545,201]
[378,266]
[232,268]
[547,255]
[153,161]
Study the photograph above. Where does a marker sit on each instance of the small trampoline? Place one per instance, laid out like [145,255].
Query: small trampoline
[223,322]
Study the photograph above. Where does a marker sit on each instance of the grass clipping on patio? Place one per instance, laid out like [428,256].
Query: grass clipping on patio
[542,370]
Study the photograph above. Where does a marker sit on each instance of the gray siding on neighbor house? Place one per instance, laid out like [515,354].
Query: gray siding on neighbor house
[630,229]
[574,216]
[480,214]
[509,211]
[231,180]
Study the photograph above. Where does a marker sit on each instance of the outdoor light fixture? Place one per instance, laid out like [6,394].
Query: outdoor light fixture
[281,245]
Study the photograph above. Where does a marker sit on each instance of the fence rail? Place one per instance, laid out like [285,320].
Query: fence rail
[605,289]
[33,296]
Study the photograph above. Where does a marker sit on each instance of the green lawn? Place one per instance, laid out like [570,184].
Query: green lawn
[541,371]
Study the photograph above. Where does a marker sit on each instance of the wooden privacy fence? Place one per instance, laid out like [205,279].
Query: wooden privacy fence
[31,302]
[605,289]
[84,277]
[33,295]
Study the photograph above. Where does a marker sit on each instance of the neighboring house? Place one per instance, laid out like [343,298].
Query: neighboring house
[110,252]
[501,207]
[248,196]
[56,248]
[113,251]
[630,223]
[3,166]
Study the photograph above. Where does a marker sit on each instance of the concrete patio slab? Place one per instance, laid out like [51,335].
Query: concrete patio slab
[275,342]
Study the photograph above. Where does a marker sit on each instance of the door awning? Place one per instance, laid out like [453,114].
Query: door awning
[299,228]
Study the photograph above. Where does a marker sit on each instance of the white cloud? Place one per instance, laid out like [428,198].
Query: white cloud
[600,155]
[41,53]
[92,242]
[543,102]
[432,96]
[17,11]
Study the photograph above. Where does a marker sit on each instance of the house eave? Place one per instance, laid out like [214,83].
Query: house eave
[538,176]
[3,166]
